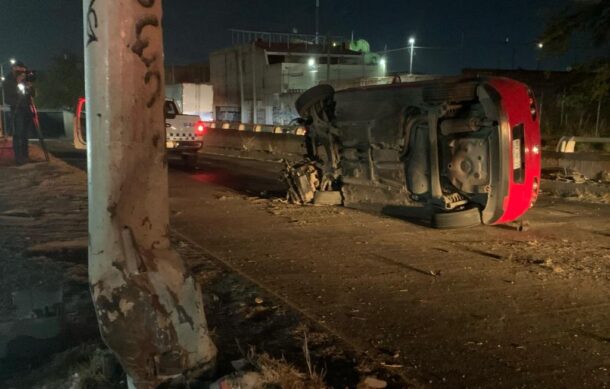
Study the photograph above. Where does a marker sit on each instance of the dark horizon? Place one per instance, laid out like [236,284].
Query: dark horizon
[448,35]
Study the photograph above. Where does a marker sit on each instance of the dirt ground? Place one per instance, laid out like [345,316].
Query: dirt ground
[43,243]
[376,297]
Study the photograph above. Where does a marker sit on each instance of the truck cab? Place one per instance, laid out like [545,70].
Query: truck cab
[183,133]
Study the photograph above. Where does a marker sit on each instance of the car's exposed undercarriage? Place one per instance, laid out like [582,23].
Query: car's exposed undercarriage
[395,148]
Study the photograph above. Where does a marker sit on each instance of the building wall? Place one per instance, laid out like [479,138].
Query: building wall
[277,85]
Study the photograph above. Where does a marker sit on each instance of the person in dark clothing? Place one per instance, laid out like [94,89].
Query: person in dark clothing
[18,95]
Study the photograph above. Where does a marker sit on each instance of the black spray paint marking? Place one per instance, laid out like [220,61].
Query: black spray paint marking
[146,3]
[142,43]
[91,24]
[147,78]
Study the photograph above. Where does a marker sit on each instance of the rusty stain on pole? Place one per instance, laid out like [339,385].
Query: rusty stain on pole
[149,310]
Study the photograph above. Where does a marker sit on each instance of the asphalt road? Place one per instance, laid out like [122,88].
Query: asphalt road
[479,307]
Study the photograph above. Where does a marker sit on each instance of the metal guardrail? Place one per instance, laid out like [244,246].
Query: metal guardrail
[567,144]
[269,128]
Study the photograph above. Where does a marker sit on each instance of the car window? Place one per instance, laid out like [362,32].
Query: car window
[170,109]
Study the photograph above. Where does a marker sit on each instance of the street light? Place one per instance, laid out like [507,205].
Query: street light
[540,46]
[412,47]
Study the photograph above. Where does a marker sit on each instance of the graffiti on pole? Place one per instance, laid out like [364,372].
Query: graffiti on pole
[91,23]
[141,43]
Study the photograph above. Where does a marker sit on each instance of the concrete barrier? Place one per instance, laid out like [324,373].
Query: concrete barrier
[289,129]
[567,144]
[589,164]
[55,124]
[255,145]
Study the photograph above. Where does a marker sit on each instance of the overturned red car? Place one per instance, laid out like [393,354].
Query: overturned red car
[457,152]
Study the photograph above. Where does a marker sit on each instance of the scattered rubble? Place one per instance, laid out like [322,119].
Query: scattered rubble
[571,184]
[604,176]
[565,258]
[564,175]
[372,383]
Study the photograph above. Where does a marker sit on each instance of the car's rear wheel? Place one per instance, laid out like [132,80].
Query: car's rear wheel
[312,96]
[469,217]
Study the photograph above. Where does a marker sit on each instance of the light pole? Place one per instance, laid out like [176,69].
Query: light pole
[540,46]
[412,47]
[513,52]
[12,61]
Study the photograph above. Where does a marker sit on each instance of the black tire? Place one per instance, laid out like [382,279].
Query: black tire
[311,96]
[457,219]
[190,160]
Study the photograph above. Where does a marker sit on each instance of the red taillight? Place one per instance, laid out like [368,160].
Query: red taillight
[200,127]
[532,101]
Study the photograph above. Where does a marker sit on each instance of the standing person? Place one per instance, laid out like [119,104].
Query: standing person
[18,94]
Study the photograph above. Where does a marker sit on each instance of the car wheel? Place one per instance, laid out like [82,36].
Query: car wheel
[311,96]
[457,219]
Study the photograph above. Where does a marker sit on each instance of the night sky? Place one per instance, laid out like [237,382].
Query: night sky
[36,30]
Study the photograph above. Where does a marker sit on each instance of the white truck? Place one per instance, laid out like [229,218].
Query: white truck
[183,133]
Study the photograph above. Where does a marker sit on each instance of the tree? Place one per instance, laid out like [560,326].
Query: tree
[591,17]
[63,83]
[588,18]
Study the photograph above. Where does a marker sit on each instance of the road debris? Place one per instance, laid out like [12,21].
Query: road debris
[303,181]
[564,175]
[604,176]
[372,383]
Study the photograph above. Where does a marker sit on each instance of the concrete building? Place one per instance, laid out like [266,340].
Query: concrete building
[273,73]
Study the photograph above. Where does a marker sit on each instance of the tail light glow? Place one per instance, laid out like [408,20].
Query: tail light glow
[532,102]
[200,127]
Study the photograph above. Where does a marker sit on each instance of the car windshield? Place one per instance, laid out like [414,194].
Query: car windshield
[170,109]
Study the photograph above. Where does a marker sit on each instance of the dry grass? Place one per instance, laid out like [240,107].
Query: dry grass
[279,373]
[282,374]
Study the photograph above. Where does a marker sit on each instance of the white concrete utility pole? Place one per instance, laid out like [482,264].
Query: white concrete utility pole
[149,310]
[411,49]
